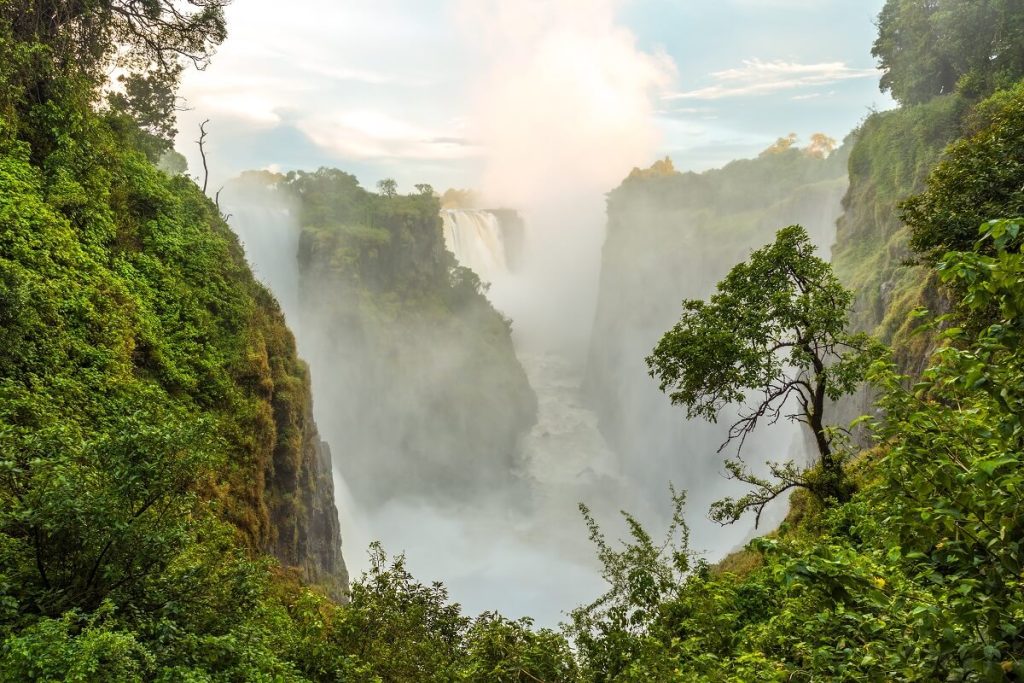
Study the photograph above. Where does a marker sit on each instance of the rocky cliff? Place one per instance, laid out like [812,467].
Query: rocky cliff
[416,381]
[673,236]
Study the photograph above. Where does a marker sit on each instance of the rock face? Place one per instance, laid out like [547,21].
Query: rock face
[893,154]
[673,236]
[418,389]
[279,488]
[303,528]
[414,367]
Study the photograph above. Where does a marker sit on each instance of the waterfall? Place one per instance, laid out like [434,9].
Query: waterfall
[475,238]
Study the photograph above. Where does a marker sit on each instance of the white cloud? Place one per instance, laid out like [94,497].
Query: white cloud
[366,134]
[757,77]
[368,80]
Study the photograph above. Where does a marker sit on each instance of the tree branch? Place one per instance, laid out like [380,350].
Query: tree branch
[202,152]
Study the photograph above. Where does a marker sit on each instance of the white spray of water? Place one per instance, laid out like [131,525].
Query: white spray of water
[476,240]
[564,108]
[563,111]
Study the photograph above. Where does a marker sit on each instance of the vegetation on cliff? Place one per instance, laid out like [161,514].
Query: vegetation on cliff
[387,312]
[156,443]
[156,448]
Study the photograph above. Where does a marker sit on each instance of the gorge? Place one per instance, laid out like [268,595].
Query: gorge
[664,397]
[601,435]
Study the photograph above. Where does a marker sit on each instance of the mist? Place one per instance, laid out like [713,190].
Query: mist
[562,108]
[470,450]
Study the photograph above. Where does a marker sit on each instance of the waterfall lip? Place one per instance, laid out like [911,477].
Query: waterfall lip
[476,239]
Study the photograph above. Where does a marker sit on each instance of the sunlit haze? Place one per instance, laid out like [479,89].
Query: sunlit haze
[392,88]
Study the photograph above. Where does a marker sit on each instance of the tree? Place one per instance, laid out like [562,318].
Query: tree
[619,635]
[659,169]
[403,629]
[500,650]
[147,40]
[387,187]
[821,146]
[781,145]
[775,329]
[424,189]
[89,34]
[928,48]
[980,175]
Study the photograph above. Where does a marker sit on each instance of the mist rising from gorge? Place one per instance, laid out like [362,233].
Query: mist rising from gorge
[563,106]
[563,112]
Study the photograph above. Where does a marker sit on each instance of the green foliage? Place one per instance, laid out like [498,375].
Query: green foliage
[613,634]
[407,630]
[918,577]
[501,650]
[954,471]
[928,48]
[775,328]
[981,175]
[152,410]
[388,187]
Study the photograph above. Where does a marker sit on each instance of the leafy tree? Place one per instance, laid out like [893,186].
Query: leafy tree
[781,145]
[981,175]
[387,187]
[617,635]
[928,48]
[104,515]
[405,630]
[150,101]
[774,328]
[659,169]
[500,650]
[425,189]
[68,48]
[821,146]
[87,35]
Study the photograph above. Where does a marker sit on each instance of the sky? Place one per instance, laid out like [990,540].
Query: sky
[403,88]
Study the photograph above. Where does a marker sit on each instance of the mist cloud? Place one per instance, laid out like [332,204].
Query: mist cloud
[563,108]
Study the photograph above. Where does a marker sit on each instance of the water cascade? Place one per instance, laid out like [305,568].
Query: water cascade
[476,239]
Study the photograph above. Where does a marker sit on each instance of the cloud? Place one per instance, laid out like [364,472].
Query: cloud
[757,77]
[366,134]
[370,82]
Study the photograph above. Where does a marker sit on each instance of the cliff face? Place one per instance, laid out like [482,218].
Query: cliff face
[302,520]
[673,236]
[892,157]
[132,325]
[890,161]
[416,380]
